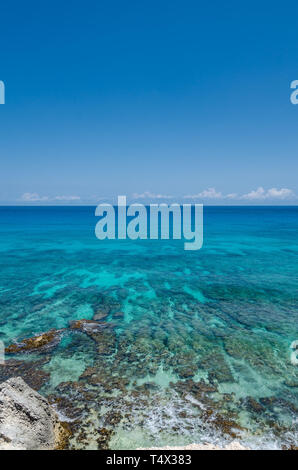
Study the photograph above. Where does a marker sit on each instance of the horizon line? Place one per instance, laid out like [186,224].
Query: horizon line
[148,204]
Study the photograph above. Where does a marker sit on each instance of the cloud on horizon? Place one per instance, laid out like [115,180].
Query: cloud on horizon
[149,195]
[35,197]
[273,193]
[211,193]
[260,194]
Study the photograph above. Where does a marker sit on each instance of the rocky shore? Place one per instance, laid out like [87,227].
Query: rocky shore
[27,421]
[111,389]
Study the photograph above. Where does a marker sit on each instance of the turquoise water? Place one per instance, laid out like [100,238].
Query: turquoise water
[192,342]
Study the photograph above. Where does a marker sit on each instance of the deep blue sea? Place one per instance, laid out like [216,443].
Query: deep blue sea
[195,346]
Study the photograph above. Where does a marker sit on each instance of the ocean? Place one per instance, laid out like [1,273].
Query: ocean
[188,346]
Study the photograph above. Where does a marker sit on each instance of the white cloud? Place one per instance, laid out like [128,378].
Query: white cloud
[67,198]
[35,197]
[209,193]
[149,195]
[283,193]
[273,193]
[260,194]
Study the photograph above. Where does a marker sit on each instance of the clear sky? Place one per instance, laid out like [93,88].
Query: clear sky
[148,98]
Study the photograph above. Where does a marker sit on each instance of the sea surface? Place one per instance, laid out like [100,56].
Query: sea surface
[192,346]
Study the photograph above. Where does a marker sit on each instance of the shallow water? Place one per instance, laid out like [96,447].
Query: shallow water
[223,317]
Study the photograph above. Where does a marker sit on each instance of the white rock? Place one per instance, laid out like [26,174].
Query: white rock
[27,421]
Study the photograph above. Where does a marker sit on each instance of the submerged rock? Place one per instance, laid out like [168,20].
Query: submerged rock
[27,421]
[49,339]
[101,311]
[118,315]
[30,371]
[100,316]
[89,327]
[253,405]
[102,333]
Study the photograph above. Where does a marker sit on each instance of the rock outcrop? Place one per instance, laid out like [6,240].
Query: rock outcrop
[27,421]
[45,340]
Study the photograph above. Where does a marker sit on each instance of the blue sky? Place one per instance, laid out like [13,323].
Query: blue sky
[148,99]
